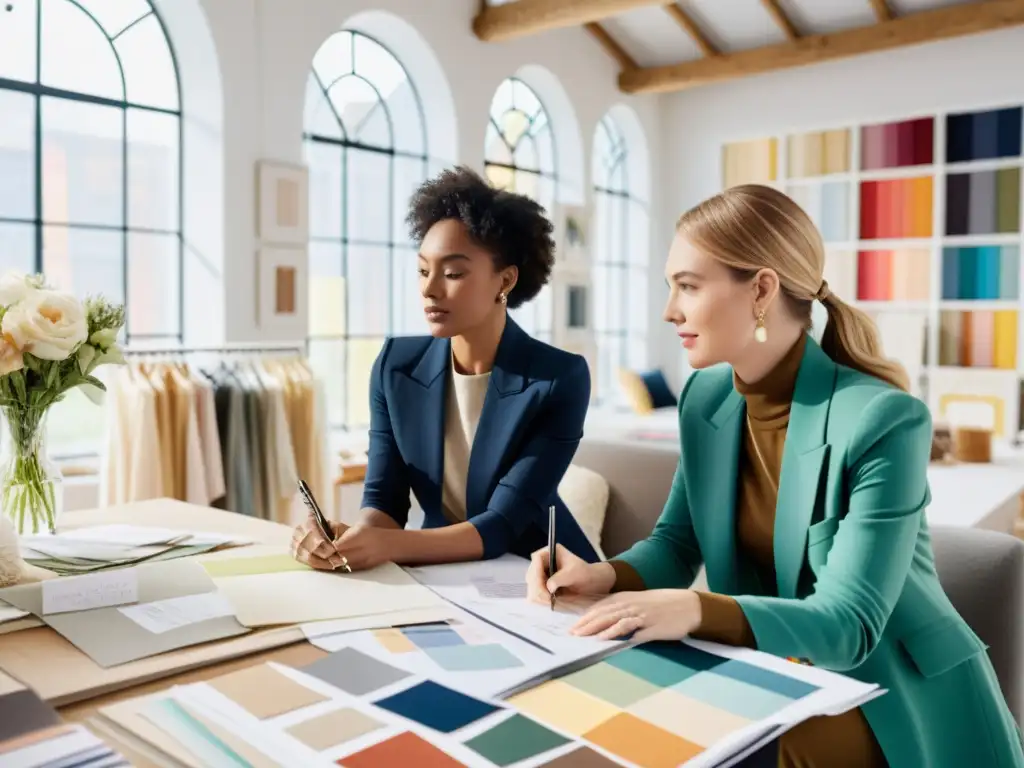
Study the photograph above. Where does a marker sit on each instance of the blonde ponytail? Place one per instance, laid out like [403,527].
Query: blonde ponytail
[751,227]
[850,338]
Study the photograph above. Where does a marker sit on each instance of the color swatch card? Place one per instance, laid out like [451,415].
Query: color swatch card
[463,652]
[686,703]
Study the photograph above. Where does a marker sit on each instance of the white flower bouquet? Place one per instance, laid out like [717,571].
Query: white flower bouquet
[50,343]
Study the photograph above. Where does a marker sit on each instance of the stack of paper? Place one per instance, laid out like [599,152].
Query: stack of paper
[110,546]
[62,745]
[123,615]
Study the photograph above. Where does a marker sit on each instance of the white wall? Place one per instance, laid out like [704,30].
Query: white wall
[265,48]
[967,73]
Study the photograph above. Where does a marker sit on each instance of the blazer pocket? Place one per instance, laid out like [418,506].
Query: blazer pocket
[819,542]
[941,645]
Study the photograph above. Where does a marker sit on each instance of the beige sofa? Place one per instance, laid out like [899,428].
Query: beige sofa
[981,571]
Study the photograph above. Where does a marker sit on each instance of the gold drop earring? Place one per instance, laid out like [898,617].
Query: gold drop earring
[760,332]
[501,298]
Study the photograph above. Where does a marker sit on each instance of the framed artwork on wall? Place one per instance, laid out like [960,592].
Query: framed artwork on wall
[283,291]
[282,203]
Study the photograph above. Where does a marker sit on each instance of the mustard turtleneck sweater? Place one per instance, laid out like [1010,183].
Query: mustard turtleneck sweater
[820,742]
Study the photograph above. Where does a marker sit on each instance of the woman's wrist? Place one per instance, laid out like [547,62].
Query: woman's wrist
[603,575]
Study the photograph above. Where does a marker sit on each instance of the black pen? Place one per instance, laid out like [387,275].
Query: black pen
[551,549]
[320,517]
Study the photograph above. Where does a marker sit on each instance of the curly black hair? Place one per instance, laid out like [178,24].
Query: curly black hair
[512,227]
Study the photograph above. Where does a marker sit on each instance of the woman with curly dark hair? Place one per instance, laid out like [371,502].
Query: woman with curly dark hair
[478,419]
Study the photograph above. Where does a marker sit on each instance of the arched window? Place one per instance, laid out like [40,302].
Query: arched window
[90,168]
[366,147]
[519,156]
[620,261]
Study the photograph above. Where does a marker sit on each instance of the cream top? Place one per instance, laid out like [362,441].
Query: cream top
[465,402]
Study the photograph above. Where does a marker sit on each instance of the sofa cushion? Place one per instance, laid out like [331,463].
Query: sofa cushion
[585,493]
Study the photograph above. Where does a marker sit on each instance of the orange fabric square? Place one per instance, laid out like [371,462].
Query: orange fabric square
[641,743]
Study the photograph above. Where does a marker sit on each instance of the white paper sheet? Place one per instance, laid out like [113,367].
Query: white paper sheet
[10,613]
[175,612]
[95,590]
[143,536]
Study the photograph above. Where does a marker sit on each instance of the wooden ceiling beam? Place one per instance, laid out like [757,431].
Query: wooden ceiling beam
[682,18]
[610,45]
[781,19]
[922,27]
[528,17]
[883,11]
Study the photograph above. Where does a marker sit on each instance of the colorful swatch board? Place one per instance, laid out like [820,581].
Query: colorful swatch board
[896,208]
[748,162]
[818,153]
[660,704]
[978,338]
[989,272]
[898,144]
[454,647]
[983,202]
[894,275]
[985,135]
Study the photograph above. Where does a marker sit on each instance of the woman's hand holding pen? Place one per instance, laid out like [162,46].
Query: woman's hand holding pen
[366,546]
[573,575]
[310,547]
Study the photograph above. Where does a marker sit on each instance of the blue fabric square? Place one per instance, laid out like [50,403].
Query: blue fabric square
[437,707]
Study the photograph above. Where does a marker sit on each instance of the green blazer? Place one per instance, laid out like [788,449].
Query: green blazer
[856,589]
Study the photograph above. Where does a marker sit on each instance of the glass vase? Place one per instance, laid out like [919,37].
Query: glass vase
[31,484]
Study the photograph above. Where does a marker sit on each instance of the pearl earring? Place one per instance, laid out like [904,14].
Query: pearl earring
[760,332]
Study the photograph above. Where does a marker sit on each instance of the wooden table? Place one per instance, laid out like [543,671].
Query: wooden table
[77,687]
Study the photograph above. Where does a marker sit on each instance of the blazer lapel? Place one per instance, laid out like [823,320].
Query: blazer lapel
[710,470]
[501,414]
[423,409]
[802,462]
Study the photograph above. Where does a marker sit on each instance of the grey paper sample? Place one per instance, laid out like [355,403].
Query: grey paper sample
[110,638]
[354,672]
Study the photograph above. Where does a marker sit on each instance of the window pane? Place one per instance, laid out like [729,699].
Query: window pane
[17,158]
[609,360]
[407,298]
[502,100]
[544,306]
[526,154]
[368,196]
[18,42]
[369,290]
[526,318]
[319,118]
[410,172]
[76,54]
[17,247]
[327,359]
[524,98]
[637,298]
[84,261]
[153,170]
[326,289]
[153,287]
[618,242]
[636,352]
[82,163]
[353,99]
[115,15]
[149,73]
[639,235]
[361,355]
[334,58]
[407,119]
[325,189]
[375,127]
[545,151]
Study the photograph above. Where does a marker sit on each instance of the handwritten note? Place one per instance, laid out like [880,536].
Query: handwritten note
[175,612]
[94,590]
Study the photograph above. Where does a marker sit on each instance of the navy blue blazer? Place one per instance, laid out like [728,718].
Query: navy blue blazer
[528,432]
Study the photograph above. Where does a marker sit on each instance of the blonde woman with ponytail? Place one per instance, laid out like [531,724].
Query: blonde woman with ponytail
[801,489]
